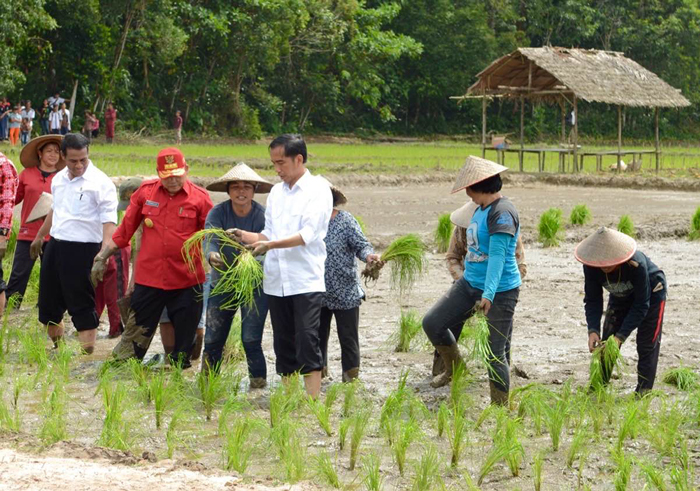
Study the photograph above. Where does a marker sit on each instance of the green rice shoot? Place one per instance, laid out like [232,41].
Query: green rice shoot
[682,377]
[580,215]
[604,360]
[406,256]
[443,232]
[410,325]
[475,338]
[240,280]
[550,226]
[626,226]
[695,226]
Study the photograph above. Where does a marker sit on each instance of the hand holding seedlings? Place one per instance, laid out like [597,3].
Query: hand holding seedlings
[593,341]
[485,305]
[215,260]
[235,234]
[97,272]
[375,259]
[260,248]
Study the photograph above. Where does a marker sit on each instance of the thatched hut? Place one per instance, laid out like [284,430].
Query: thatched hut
[565,75]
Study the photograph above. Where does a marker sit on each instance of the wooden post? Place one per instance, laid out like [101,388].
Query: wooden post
[522,130]
[575,130]
[483,128]
[656,136]
[619,139]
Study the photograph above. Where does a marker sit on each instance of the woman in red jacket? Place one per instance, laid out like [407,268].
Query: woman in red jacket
[41,159]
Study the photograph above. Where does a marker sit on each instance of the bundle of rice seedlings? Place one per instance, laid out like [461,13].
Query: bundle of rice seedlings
[682,377]
[238,281]
[695,226]
[549,228]
[604,360]
[443,232]
[406,256]
[410,325]
[580,215]
[626,226]
[475,336]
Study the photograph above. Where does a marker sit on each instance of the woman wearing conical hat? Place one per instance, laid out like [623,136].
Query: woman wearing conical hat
[490,282]
[637,289]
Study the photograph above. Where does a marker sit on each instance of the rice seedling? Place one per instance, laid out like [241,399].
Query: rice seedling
[630,423]
[362,224]
[694,233]
[469,483]
[626,226]
[603,361]
[555,416]
[410,325]
[624,468]
[393,405]
[406,434]
[537,464]
[682,377]
[285,399]
[5,332]
[443,232]
[238,281]
[172,436]
[350,397]
[550,226]
[53,426]
[443,417]
[233,349]
[681,479]
[234,405]
[406,256]
[33,348]
[665,434]
[476,332]
[285,435]
[162,394]
[116,432]
[325,470]
[324,409]
[459,394]
[427,471]
[580,215]
[499,451]
[372,476]
[8,420]
[582,459]
[360,421]
[213,386]
[139,374]
[343,432]
[532,404]
[508,433]
[578,445]
[457,435]
[653,476]
[237,446]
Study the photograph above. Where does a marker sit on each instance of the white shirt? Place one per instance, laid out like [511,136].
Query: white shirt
[304,209]
[67,114]
[82,205]
[55,120]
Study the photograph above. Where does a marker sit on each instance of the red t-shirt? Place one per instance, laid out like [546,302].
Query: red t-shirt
[178,122]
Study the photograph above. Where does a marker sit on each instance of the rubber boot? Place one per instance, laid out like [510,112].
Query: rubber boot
[257,382]
[498,397]
[438,364]
[324,372]
[451,358]
[351,375]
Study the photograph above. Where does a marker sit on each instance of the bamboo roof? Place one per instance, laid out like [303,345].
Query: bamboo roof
[591,75]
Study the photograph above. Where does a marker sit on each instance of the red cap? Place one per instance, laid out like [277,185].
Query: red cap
[171,162]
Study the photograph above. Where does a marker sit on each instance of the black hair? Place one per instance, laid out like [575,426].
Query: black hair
[293,144]
[492,185]
[228,185]
[76,141]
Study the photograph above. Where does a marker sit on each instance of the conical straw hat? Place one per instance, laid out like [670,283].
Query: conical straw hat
[28,156]
[474,170]
[339,197]
[462,216]
[41,208]
[240,172]
[605,248]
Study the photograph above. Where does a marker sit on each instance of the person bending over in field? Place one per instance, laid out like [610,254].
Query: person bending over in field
[343,296]
[239,212]
[637,298]
[491,280]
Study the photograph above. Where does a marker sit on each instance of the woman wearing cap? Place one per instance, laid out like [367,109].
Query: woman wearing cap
[637,298]
[240,212]
[344,242]
[491,280]
[41,158]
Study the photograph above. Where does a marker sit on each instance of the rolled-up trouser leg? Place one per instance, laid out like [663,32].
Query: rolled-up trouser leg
[500,319]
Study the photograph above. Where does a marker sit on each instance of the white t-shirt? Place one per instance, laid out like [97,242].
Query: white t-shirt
[55,120]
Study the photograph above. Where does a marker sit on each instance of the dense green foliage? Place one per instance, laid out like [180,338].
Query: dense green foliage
[244,67]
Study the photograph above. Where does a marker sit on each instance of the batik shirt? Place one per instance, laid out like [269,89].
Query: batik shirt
[344,242]
[9,182]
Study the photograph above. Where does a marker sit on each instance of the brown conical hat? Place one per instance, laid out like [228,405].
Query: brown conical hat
[240,172]
[41,208]
[604,248]
[474,170]
[462,216]
[339,197]
[28,156]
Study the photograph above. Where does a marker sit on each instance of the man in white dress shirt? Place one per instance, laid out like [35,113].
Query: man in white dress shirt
[296,221]
[84,212]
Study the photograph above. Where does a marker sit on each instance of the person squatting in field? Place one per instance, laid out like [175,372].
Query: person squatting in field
[241,212]
[296,222]
[491,280]
[344,241]
[83,216]
[637,299]
[171,209]
[41,159]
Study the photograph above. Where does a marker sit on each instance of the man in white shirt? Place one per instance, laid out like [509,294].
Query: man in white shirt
[28,115]
[296,221]
[84,213]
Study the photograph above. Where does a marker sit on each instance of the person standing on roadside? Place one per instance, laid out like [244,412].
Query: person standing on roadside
[8,188]
[41,159]
[44,111]
[177,125]
[83,216]
[110,122]
[65,119]
[55,120]
[28,115]
[171,209]
[296,223]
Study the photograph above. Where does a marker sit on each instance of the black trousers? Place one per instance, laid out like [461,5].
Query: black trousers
[347,323]
[648,337]
[296,332]
[22,265]
[64,284]
[184,309]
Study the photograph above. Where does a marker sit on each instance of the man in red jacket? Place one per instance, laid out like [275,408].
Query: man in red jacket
[171,209]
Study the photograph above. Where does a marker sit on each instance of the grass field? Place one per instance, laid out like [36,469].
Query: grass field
[213,159]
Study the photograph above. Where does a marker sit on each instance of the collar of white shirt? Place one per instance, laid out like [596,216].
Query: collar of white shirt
[88,175]
[303,182]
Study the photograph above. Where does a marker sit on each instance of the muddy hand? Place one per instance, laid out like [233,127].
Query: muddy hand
[593,341]
[215,260]
[97,272]
[375,260]
[235,234]
[35,248]
[259,248]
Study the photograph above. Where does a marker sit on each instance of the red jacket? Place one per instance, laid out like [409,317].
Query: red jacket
[31,184]
[168,221]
